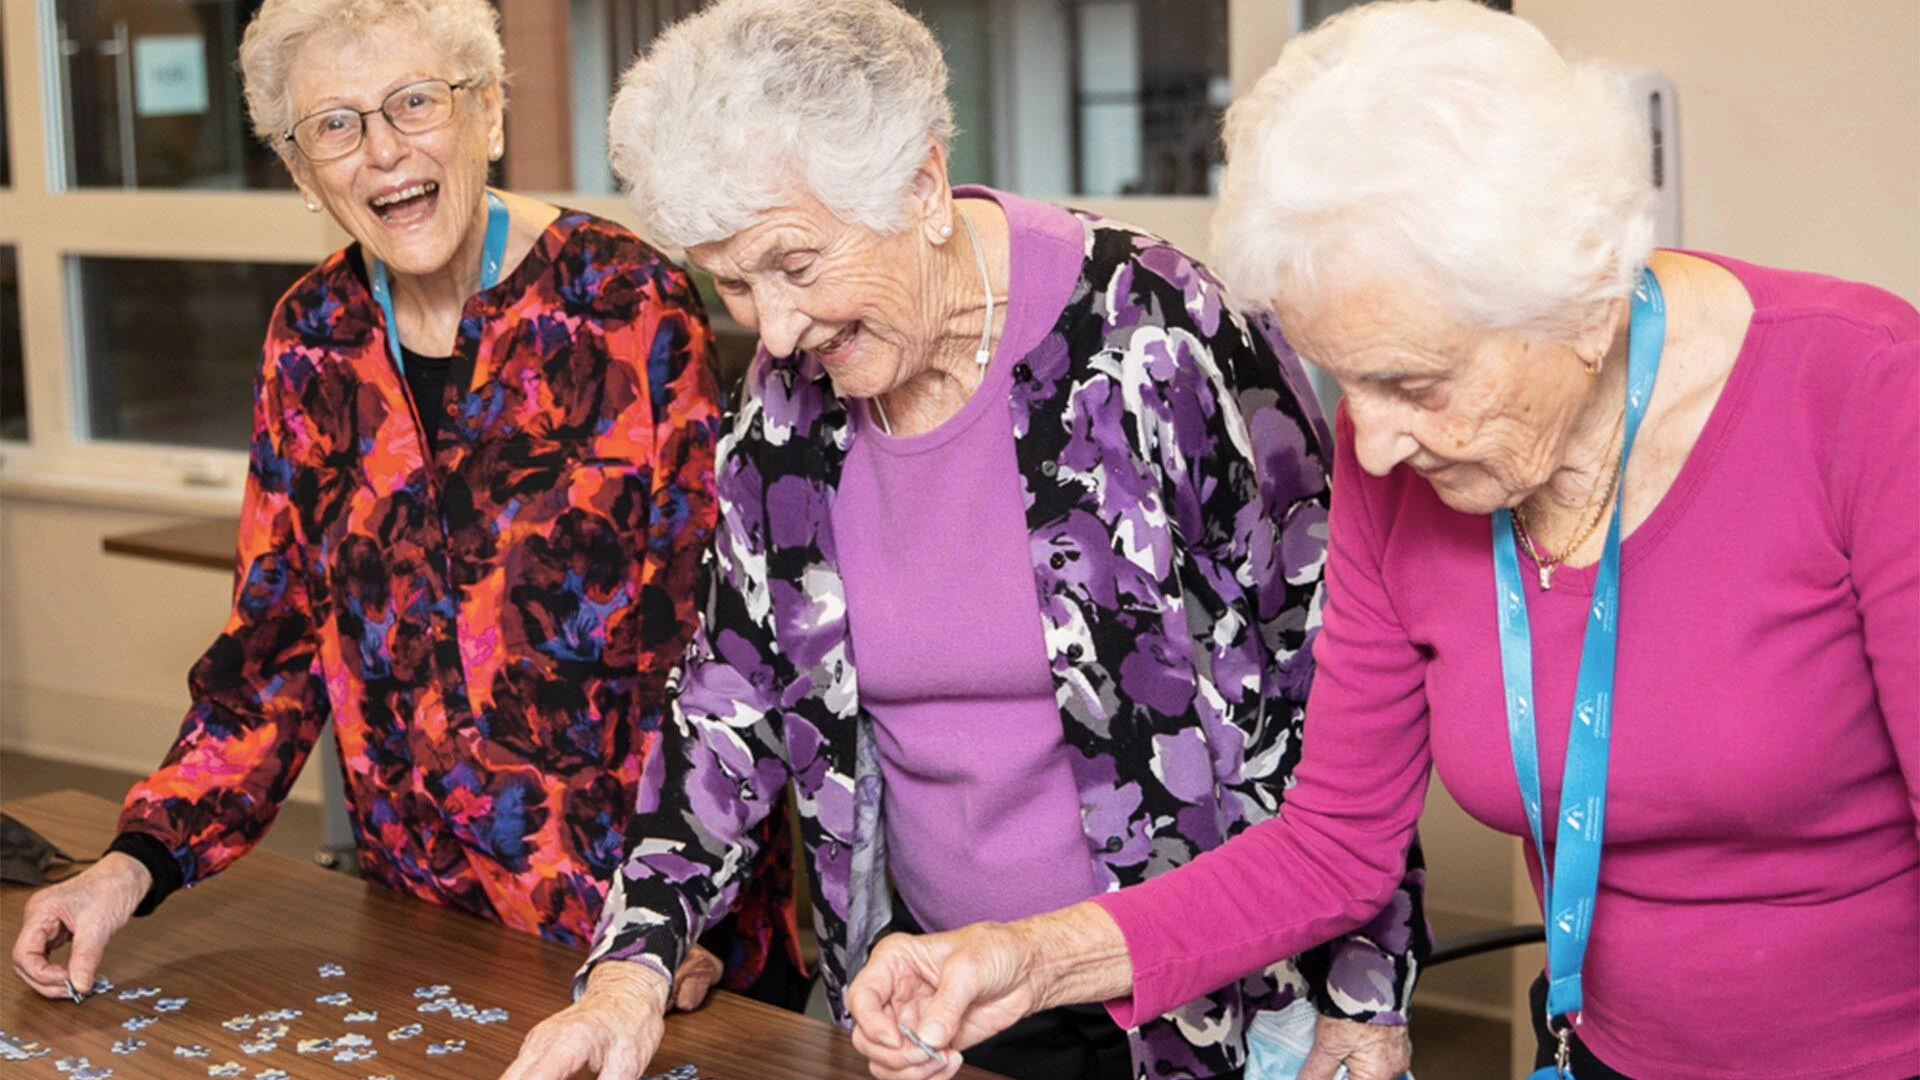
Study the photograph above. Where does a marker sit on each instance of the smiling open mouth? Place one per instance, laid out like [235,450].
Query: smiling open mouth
[838,341]
[407,204]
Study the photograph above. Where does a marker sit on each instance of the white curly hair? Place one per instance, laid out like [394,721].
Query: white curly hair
[465,32]
[736,110]
[1443,139]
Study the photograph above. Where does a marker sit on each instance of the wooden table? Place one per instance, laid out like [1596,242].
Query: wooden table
[206,543]
[253,939]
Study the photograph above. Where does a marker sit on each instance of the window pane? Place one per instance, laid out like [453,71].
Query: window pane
[13,365]
[152,96]
[1315,12]
[1052,97]
[171,346]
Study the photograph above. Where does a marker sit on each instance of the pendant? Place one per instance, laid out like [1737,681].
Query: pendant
[1546,578]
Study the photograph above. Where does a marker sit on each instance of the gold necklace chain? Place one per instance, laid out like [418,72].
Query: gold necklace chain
[1547,563]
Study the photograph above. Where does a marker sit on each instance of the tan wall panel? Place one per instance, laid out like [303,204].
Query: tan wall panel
[95,648]
[1799,122]
[540,109]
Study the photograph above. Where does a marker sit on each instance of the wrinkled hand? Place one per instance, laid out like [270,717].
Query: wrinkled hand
[613,1029]
[695,979]
[952,989]
[86,909]
[1369,1051]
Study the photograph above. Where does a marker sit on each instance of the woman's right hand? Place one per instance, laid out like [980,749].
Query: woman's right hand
[613,1029]
[86,909]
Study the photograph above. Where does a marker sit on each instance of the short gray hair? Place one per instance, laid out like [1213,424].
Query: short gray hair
[466,32]
[739,108]
[1441,138]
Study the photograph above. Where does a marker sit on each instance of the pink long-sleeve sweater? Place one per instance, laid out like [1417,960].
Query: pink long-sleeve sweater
[1759,905]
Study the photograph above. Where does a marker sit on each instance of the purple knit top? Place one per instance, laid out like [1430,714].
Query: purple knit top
[982,813]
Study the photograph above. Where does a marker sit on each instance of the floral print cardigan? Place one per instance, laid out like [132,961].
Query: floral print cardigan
[489,621]
[1175,472]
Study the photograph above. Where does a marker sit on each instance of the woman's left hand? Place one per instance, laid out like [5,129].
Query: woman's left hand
[1369,1051]
[696,978]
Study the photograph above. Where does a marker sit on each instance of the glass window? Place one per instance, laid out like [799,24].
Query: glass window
[1315,12]
[171,346]
[1052,97]
[13,366]
[151,97]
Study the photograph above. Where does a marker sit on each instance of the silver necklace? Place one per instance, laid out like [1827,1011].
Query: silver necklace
[984,355]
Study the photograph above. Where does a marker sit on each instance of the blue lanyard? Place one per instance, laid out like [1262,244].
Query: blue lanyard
[491,256]
[1567,893]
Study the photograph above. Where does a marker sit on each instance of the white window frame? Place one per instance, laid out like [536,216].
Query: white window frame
[49,227]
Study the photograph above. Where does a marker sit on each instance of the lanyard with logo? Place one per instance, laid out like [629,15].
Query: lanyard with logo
[491,256]
[1567,893]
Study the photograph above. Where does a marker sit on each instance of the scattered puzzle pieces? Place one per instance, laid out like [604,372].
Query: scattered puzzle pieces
[138,1023]
[129,1045]
[15,1049]
[361,1016]
[167,1005]
[432,991]
[451,1046]
[191,1050]
[227,1069]
[403,1032]
[332,971]
[338,998]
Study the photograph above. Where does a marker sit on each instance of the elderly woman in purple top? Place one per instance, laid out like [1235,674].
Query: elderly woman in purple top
[1017,571]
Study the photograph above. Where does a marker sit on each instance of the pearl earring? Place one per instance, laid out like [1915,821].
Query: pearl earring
[312,207]
[946,232]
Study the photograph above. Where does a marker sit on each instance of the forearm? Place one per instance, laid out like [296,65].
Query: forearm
[637,986]
[1273,891]
[1075,955]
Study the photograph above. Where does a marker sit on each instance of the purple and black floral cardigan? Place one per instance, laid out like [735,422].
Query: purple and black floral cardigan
[1175,471]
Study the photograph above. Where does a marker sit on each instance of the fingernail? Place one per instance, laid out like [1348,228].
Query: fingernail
[926,1047]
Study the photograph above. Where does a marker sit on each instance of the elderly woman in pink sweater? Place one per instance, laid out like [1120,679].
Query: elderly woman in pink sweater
[1625,541]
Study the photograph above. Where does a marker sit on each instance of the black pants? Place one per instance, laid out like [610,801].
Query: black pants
[1073,1042]
[1585,1065]
[781,984]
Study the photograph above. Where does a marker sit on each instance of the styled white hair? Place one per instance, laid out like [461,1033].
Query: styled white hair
[1446,140]
[738,109]
[465,32]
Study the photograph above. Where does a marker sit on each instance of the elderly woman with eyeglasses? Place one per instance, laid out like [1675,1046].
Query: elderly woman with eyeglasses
[481,483]
[1017,564]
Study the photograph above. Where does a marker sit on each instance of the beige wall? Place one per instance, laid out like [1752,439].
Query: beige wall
[96,647]
[1799,122]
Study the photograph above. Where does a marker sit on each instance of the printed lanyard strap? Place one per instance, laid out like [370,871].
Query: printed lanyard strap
[491,256]
[1567,892]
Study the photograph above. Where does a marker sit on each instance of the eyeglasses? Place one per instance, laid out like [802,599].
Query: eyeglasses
[414,109]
